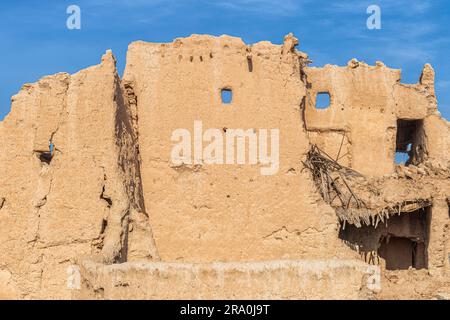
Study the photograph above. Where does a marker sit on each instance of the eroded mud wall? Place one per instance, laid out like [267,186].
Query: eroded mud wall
[87,173]
[76,203]
[360,125]
[226,212]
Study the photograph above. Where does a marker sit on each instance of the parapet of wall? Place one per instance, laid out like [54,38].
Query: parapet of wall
[303,279]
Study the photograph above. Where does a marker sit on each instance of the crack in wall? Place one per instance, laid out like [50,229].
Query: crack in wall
[131,164]
[41,202]
[103,194]
[284,233]
[126,204]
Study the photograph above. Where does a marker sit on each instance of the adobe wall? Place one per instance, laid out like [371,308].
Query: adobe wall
[109,195]
[362,107]
[77,205]
[360,125]
[231,212]
[274,279]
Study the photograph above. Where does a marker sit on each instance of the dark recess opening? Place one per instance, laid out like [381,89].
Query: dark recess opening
[401,253]
[401,241]
[226,95]
[250,64]
[410,142]
[47,156]
[323,100]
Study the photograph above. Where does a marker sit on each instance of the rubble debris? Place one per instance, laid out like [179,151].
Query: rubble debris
[357,199]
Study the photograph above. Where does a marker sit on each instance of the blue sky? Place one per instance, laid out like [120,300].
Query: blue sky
[35,41]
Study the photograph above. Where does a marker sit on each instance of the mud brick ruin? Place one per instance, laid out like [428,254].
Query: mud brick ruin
[92,207]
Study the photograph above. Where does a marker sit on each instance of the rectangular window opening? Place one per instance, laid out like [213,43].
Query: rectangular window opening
[410,142]
[250,64]
[323,100]
[227,95]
